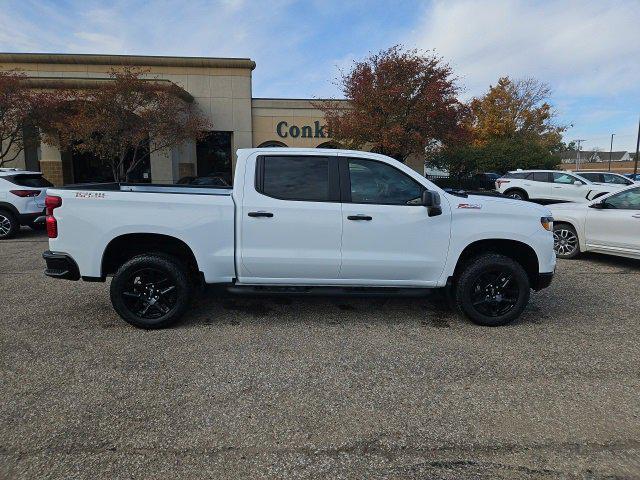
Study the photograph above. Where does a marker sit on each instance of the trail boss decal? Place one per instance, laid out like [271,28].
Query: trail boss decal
[91,195]
[472,206]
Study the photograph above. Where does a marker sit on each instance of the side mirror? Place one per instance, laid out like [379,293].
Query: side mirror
[431,200]
[578,183]
[599,205]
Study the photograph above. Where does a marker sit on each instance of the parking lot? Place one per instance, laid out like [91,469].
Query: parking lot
[319,387]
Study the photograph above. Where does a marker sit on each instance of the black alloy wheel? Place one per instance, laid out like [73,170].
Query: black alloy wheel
[495,292]
[492,290]
[151,291]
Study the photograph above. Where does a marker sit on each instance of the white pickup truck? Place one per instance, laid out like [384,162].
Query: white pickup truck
[300,221]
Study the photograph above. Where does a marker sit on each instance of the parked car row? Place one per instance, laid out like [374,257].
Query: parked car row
[552,186]
[22,196]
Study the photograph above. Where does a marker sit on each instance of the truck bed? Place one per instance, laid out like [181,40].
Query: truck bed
[148,188]
[91,216]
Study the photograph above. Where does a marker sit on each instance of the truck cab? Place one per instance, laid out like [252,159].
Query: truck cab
[303,221]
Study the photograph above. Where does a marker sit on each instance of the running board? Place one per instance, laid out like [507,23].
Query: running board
[329,291]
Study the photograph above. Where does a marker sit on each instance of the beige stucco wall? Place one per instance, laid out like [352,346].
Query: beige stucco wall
[222,94]
[268,112]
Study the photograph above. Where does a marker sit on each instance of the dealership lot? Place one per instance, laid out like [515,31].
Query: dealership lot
[317,387]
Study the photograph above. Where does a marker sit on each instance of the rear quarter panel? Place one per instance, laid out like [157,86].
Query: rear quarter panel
[88,221]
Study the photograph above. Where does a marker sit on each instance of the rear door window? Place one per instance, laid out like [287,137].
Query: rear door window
[26,180]
[540,177]
[302,178]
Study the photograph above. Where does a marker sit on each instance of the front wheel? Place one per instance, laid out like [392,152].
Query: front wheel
[492,290]
[151,291]
[565,241]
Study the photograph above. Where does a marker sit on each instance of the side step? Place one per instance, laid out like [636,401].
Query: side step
[329,291]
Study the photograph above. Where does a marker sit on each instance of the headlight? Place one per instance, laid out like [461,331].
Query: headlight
[547,223]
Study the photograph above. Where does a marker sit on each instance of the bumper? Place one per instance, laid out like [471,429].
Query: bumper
[60,265]
[543,281]
[27,218]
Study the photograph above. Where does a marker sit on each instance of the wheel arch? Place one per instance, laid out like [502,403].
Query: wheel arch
[519,251]
[577,226]
[519,189]
[126,246]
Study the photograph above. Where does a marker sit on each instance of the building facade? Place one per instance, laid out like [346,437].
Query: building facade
[221,89]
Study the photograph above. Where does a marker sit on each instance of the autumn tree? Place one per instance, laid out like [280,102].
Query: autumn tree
[17,104]
[511,126]
[515,108]
[400,102]
[125,120]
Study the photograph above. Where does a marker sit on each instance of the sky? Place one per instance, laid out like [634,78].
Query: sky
[588,51]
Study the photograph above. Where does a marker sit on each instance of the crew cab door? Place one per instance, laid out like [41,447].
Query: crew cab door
[388,236]
[537,185]
[291,223]
[617,225]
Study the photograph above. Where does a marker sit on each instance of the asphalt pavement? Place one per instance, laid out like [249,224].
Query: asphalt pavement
[252,387]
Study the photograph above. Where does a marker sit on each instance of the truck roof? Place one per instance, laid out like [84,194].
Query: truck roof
[311,151]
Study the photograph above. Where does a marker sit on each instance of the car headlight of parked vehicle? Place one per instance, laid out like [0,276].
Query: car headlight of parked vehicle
[547,223]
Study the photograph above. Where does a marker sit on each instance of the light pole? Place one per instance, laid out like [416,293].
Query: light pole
[579,141]
[611,150]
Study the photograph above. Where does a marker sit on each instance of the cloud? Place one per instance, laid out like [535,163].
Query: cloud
[581,48]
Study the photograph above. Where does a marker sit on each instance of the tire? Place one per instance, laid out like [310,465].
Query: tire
[482,295]
[565,241]
[151,291]
[9,225]
[517,194]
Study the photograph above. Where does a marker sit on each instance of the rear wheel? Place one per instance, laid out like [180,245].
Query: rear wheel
[9,225]
[565,241]
[492,290]
[517,194]
[151,291]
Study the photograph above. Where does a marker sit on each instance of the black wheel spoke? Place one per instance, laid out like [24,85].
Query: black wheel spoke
[495,292]
[149,293]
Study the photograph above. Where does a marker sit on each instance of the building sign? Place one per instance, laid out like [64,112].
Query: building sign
[306,131]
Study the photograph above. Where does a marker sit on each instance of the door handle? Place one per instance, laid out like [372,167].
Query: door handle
[557,187]
[360,217]
[637,215]
[260,214]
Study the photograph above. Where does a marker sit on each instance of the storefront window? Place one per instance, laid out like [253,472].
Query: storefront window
[214,155]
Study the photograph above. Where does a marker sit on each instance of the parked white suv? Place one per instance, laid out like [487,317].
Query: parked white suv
[22,196]
[605,178]
[551,185]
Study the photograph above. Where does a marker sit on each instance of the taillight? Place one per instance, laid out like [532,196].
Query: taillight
[51,203]
[25,193]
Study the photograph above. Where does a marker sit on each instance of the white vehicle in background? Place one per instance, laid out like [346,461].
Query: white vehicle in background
[22,195]
[610,224]
[606,178]
[300,221]
[551,185]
